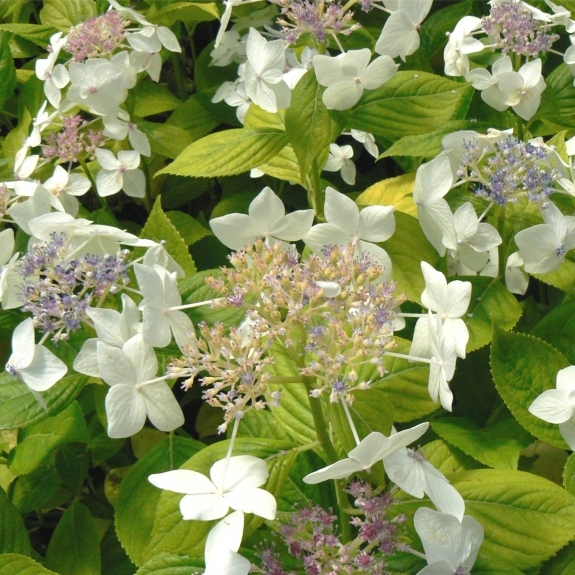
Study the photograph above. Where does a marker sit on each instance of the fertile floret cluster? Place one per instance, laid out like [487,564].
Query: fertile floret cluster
[71,142]
[513,28]
[57,291]
[509,170]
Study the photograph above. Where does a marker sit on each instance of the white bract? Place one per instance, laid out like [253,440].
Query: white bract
[222,544]
[516,279]
[410,471]
[266,218]
[9,276]
[120,173]
[130,372]
[346,76]
[525,98]
[367,140]
[55,76]
[65,187]
[443,351]
[450,545]
[370,450]
[146,55]
[263,74]
[234,94]
[112,328]
[346,224]
[432,181]
[450,302]
[339,158]
[119,128]
[36,366]
[160,290]
[400,36]
[460,44]
[558,405]
[543,247]
[233,483]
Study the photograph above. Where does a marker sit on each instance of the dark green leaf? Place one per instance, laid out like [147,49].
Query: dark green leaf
[7,69]
[13,534]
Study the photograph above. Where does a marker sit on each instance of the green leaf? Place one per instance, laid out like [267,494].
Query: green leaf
[497,445]
[405,385]
[64,14]
[391,192]
[72,464]
[308,123]
[34,490]
[13,534]
[409,104]
[427,145]
[563,278]
[114,558]
[228,153]
[569,474]
[138,498]
[39,35]
[558,329]
[151,98]
[172,535]
[557,108]
[75,544]
[526,518]
[12,564]
[159,228]
[36,442]
[523,367]
[194,118]
[19,407]
[166,564]
[188,12]
[491,304]
[190,229]
[406,269]
[283,166]
[562,564]
[448,459]
[7,69]
[165,139]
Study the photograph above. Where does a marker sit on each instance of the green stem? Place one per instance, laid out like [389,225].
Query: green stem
[179,76]
[317,194]
[342,503]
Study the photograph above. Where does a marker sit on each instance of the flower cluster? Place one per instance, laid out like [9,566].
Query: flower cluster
[513,28]
[72,141]
[509,170]
[320,18]
[310,535]
[98,36]
[57,291]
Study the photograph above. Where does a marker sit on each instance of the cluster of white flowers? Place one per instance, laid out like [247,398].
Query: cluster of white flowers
[105,58]
[516,29]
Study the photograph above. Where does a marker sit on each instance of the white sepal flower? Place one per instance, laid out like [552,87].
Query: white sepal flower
[450,545]
[24,212]
[367,140]
[443,350]
[120,173]
[263,74]
[119,128]
[410,471]
[36,366]
[346,224]
[339,158]
[160,290]
[64,188]
[113,328]
[543,247]
[400,36]
[432,181]
[234,484]
[266,218]
[516,279]
[133,395]
[55,76]
[346,76]
[370,450]
[146,55]
[10,278]
[525,99]
[460,44]
[558,405]
[222,544]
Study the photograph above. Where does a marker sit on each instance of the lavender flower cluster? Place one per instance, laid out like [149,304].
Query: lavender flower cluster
[510,170]
[57,291]
[310,535]
[72,141]
[513,28]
